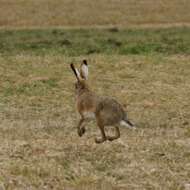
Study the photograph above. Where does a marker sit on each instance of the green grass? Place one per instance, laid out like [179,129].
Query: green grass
[72,42]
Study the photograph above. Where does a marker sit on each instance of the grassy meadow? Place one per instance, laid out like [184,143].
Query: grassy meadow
[40,148]
[85,13]
[147,69]
[76,42]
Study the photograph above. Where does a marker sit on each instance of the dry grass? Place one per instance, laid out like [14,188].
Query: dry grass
[40,148]
[85,13]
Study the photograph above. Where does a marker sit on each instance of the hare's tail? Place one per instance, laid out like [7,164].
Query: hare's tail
[126,123]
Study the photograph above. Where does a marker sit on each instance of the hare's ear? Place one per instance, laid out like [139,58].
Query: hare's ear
[84,70]
[76,72]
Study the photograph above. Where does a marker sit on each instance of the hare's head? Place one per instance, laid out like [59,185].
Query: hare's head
[81,76]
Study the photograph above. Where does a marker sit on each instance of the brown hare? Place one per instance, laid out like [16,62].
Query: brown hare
[106,111]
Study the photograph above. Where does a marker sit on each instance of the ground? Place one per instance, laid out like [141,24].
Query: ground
[146,69]
[40,147]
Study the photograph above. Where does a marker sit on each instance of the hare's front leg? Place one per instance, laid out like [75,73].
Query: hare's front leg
[117,134]
[80,127]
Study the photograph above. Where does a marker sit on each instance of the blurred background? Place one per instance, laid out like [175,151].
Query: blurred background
[85,13]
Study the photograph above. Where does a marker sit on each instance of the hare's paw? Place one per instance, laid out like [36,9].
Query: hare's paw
[81,131]
[99,140]
[111,138]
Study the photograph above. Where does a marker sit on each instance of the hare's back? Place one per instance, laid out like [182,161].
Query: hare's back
[109,112]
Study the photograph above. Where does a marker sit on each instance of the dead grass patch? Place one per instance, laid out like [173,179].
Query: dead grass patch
[40,148]
[84,13]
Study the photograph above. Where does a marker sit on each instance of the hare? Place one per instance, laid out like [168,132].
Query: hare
[106,111]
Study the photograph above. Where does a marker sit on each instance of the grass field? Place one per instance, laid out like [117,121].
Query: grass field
[85,13]
[147,69]
[39,146]
[76,42]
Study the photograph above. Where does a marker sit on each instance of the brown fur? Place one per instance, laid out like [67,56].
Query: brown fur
[106,111]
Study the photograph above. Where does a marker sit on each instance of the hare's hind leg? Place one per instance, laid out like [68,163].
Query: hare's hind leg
[117,134]
[80,127]
[103,138]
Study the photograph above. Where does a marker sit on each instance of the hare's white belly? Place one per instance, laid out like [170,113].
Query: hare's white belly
[89,115]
